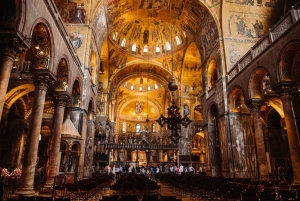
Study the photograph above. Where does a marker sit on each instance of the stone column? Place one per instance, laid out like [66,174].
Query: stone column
[137,158]
[160,154]
[113,102]
[60,100]
[292,134]
[83,144]
[255,106]
[42,82]
[10,48]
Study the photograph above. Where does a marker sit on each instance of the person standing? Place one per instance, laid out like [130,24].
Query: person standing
[180,169]
[117,172]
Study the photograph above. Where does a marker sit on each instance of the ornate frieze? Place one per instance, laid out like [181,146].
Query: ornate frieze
[260,47]
[284,25]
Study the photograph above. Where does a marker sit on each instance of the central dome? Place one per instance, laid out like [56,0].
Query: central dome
[148,38]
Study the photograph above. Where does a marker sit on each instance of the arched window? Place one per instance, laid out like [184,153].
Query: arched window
[149,87]
[132,87]
[133,49]
[146,48]
[153,128]
[115,36]
[155,86]
[157,49]
[124,127]
[168,46]
[123,42]
[137,128]
[178,41]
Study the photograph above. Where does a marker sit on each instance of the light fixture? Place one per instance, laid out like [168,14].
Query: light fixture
[174,120]
[20,77]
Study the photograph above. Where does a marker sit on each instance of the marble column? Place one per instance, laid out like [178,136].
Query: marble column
[42,83]
[160,155]
[83,144]
[255,106]
[113,102]
[137,158]
[6,64]
[60,101]
[292,134]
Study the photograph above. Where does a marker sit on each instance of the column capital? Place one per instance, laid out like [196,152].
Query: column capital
[11,46]
[61,98]
[42,79]
[254,104]
[286,89]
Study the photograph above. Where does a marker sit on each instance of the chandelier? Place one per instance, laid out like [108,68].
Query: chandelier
[174,120]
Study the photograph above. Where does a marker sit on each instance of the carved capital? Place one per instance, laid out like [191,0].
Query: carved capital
[286,90]
[11,46]
[43,80]
[254,105]
[61,99]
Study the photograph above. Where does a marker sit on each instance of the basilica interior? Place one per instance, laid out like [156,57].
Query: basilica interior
[207,83]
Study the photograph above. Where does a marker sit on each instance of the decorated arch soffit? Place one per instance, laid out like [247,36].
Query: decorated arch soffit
[256,83]
[16,93]
[237,100]
[135,108]
[152,72]
[191,76]
[289,59]
[41,51]
[62,74]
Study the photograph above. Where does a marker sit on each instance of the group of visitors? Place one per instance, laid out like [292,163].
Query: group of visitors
[151,171]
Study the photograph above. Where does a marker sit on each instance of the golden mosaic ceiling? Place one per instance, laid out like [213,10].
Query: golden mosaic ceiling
[159,26]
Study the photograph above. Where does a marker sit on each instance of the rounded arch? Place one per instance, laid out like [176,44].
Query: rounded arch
[16,93]
[198,113]
[237,99]
[64,146]
[153,72]
[191,71]
[212,113]
[289,60]
[62,75]
[256,88]
[41,52]
[276,104]
[76,94]
[129,103]
[91,110]
[212,73]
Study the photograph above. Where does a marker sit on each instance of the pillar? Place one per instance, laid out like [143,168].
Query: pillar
[292,134]
[113,102]
[41,82]
[60,101]
[137,158]
[83,145]
[160,155]
[10,48]
[255,106]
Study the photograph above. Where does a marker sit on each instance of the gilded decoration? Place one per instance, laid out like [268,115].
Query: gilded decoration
[61,83]
[40,47]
